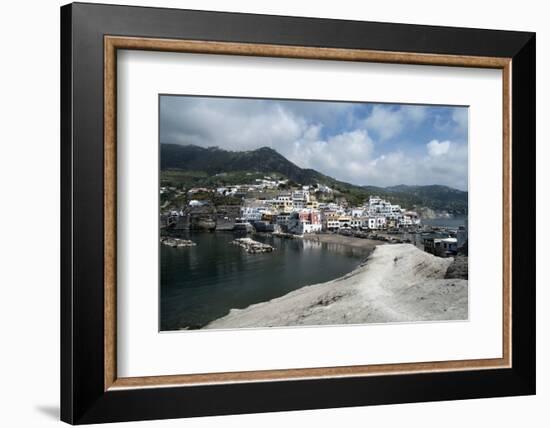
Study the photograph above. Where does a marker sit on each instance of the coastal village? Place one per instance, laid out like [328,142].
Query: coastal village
[271,205]
[259,230]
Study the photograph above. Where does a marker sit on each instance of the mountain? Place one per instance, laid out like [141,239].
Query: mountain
[198,166]
[214,160]
[436,197]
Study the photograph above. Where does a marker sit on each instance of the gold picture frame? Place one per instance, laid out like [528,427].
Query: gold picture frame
[114,43]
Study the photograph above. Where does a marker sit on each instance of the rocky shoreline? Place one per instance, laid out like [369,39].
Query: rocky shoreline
[251,246]
[176,242]
[397,283]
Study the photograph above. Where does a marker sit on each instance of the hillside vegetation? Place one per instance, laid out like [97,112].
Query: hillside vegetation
[194,166]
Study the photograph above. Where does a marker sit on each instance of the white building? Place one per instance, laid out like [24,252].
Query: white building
[300,198]
[267,183]
[330,206]
[357,212]
[254,212]
[324,189]
[332,224]
[227,191]
[356,223]
[282,219]
[373,222]
[305,221]
[345,222]
[378,207]
[409,218]
[380,222]
[382,207]
[441,247]
[282,203]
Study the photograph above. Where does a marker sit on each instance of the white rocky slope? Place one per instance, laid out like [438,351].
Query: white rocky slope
[398,283]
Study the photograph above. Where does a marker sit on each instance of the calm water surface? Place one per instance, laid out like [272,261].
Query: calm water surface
[202,283]
[452,222]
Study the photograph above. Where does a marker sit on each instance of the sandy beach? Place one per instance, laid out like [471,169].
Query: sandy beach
[397,283]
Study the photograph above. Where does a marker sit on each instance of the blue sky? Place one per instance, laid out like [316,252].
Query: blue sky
[361,143]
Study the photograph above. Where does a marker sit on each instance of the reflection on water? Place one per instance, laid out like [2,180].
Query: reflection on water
[202,283]
[334,248]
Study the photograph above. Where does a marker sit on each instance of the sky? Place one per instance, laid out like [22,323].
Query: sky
[360,143]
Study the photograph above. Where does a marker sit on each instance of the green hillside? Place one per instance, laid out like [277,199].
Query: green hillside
[193,166]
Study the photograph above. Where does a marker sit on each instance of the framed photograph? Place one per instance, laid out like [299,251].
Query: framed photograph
[266,213]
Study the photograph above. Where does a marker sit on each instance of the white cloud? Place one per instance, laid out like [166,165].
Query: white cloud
[415,113]
[397,167]
[456,124]
[301,133]
[385,122]
[350,157]
[460,118]
[313,132]
[340,156]
[230,124]
[436,148]
[388,121]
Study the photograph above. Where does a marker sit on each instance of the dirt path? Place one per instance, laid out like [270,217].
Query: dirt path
[398,283]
